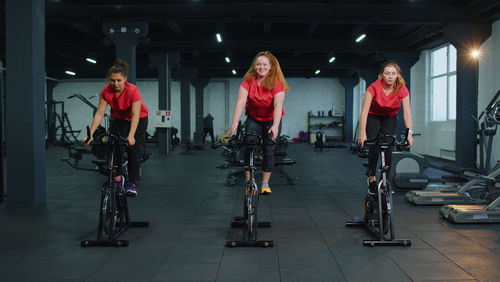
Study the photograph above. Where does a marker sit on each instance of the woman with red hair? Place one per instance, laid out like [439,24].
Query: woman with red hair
[262,93]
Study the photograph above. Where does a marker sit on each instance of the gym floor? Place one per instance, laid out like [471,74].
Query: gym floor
[189,207]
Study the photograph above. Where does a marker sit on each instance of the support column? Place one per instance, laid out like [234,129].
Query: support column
[369,75]
[51,125]
[2,153]
[25,95]
[199,85]
[186,76]
[348,83]
[164,62]
[405,60]
[126,36]
[466,37]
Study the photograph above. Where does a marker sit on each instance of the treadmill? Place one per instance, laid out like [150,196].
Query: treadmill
[472,213]
[484,213]
[479,183]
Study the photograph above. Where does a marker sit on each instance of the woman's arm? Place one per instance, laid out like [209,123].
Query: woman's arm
[99,114]
[363,117]
[278,110]
[407,118]
[238,109]
[136,111]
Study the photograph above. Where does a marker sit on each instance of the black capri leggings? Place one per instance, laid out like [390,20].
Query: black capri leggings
[121,127]
[373,125]
[261,128]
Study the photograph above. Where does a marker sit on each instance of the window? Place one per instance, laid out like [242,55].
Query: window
[443,83]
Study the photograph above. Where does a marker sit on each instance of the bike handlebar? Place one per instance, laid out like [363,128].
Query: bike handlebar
[104,138]
[387,140]
[258,141]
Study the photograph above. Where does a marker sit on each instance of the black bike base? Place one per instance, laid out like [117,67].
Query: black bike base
[114,242]
[373,243]
[236,224]
[259,243]
[104,243]
[395,242]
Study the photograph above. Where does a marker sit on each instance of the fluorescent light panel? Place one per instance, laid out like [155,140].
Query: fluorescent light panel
[233,71]
[70,72]
[90,60]
[219,37]
[361,37]
[331,59]
[317,72]
[228,60]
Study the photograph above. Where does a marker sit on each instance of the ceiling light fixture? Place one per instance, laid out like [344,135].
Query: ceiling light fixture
[70,73]
[233,71]
[361,37]
[228,60]
[331,59]
[219,37]
[475,53]
[317,72]
[90,60]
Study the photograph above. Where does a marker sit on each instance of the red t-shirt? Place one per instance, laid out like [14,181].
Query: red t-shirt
[385,105]
[260,100]
[121,107]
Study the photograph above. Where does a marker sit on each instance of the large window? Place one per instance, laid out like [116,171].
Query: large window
[443,83]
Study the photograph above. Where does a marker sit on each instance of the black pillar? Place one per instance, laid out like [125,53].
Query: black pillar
[2,172]
[199,85]
[126,36]
[164,62]
[348,83]
[25,95]
[51,124]
[405,60]
[466,37]
[186,75]
[370,75]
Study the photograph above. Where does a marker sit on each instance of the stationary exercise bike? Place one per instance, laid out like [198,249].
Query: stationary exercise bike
[114,216]
[379,208]
[251,199]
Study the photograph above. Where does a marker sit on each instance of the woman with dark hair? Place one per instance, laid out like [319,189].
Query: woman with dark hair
[380,108]
[129,119]
[262,93]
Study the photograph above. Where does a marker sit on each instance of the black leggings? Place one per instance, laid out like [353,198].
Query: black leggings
[261,128]
[121,128]
[373,125]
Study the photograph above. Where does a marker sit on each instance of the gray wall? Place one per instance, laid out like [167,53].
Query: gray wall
[314,94]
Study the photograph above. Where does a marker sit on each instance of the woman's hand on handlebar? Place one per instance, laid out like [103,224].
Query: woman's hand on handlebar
[232,129]
[130,141]
[86,142]
[361,140]
[274,131]
[410,141]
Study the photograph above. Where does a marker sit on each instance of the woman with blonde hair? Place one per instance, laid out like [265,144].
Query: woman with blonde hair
[262,93]
[380,108]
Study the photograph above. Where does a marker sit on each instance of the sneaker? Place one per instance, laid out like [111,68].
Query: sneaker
[265,191]
[131,190]
[119,186]
[372,188]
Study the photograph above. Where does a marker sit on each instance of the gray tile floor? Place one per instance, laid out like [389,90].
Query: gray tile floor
[189,207]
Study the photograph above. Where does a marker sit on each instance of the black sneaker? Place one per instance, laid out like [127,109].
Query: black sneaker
[372,188]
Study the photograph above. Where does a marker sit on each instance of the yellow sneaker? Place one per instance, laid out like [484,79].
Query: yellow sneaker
[265,191]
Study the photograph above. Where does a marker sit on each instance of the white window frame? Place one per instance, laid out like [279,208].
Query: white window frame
[450,113]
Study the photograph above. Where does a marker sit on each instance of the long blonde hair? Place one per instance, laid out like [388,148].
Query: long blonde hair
[400,81]
[274,74]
